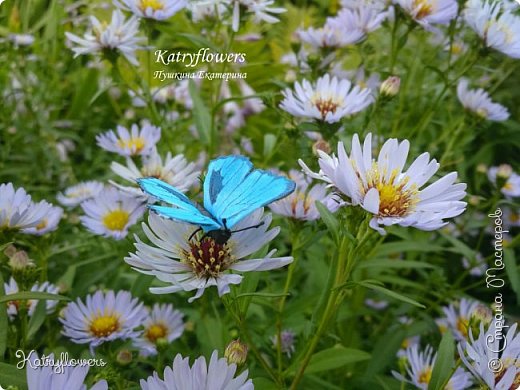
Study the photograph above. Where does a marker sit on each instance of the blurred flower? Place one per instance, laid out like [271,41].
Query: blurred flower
[406,344]
[377,5]
[511,217]
[428,12]
[236,352]
[48,223]
[329,100]
[13,306]
[22,39]
[390,87]
[218,374]
[163,322]
[111,213]
[376,304]
[152,9]
[120,35]
[201,262]
[78,193]
[383,189]
[493,359]
[460,316]
[261,9]
[419,370]
[362,19]
[499,28]
[211,9]
[103,317]
[330,36]
[287,340]
[479,102]
[18,259]
[301,204]
[45,377]
[18,211]
[130,143]
[506,179]
[174,170]
[477,267]
[359,77]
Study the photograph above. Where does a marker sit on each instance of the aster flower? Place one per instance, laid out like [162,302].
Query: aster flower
[201,262]
[493,359]
[329,100]
[130,143]
[218,374]
[174,170]
[12,306]
[383,189]
[45,378]
[48,223]
[103,317]
[152,9]
[80,192]
[479,102]
[407,343]
[477,267]
[378,5]
[499,28]
[428,12]
[301,204]
[18,211]
[363,19]
[287,340]
[111,213]
[358,77]
[420,366]
[120,35]
[511,218]
[461,315]
[330,36]
[262,10]
[163,322]
[509,180]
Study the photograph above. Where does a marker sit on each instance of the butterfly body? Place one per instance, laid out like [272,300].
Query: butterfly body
[232,191]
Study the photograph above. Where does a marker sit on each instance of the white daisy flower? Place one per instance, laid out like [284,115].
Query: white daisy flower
[499,28]
[479,102]
[204,10]
[461,315]
[383,189]
[80,192]
[329,100]
[13,306]
[301,204]
[511,217]
[18,211]
[218,374]
[359,77]
[428,12]
[152,9]
[262,10]
[330,36]
[111,213]
[201,262]
[420,366]
[103,317]
[130,143]
[176,171]
[163,322]
[493,357]
[45,377]
[511,181]
[364,19]
[49,223]
[119,35]
[477,267]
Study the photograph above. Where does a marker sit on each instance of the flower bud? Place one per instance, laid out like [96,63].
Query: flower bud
[390,87]
[322,145]
[504,171]
[10,250]
[124,357]
[482,168]
[20,261]
[236,352]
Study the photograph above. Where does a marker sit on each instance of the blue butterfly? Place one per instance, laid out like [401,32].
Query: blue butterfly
[232,191]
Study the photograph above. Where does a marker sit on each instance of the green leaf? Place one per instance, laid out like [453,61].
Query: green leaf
[329,219]
[24,295]
[460,247]
[385,349]
[201,114]
[269,145]
[3,320]
[391,294]
[415,246]
[512,271]
[12,376]
[37,319]
[264,384]
[444,364]
[335,357]
[395,263]
[259,294]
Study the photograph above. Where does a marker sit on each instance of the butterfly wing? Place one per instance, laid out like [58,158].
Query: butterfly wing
[233,190]
[185,211]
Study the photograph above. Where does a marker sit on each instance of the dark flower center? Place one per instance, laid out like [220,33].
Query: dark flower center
[208,258]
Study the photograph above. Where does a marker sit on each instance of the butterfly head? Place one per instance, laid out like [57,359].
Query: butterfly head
[220,236]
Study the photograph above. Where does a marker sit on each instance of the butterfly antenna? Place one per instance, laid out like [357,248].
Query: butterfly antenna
[193,234]
[249,227]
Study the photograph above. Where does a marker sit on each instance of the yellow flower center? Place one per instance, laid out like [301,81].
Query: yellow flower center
[325,106]
[425,376]
[462,326]
[422,8]
[156,331]
[300,197]
[116,219]
[134,144]
[508,186]
[42,225]
[514,218]
[103,326]
[482,112]
[395,200]
[153,4]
